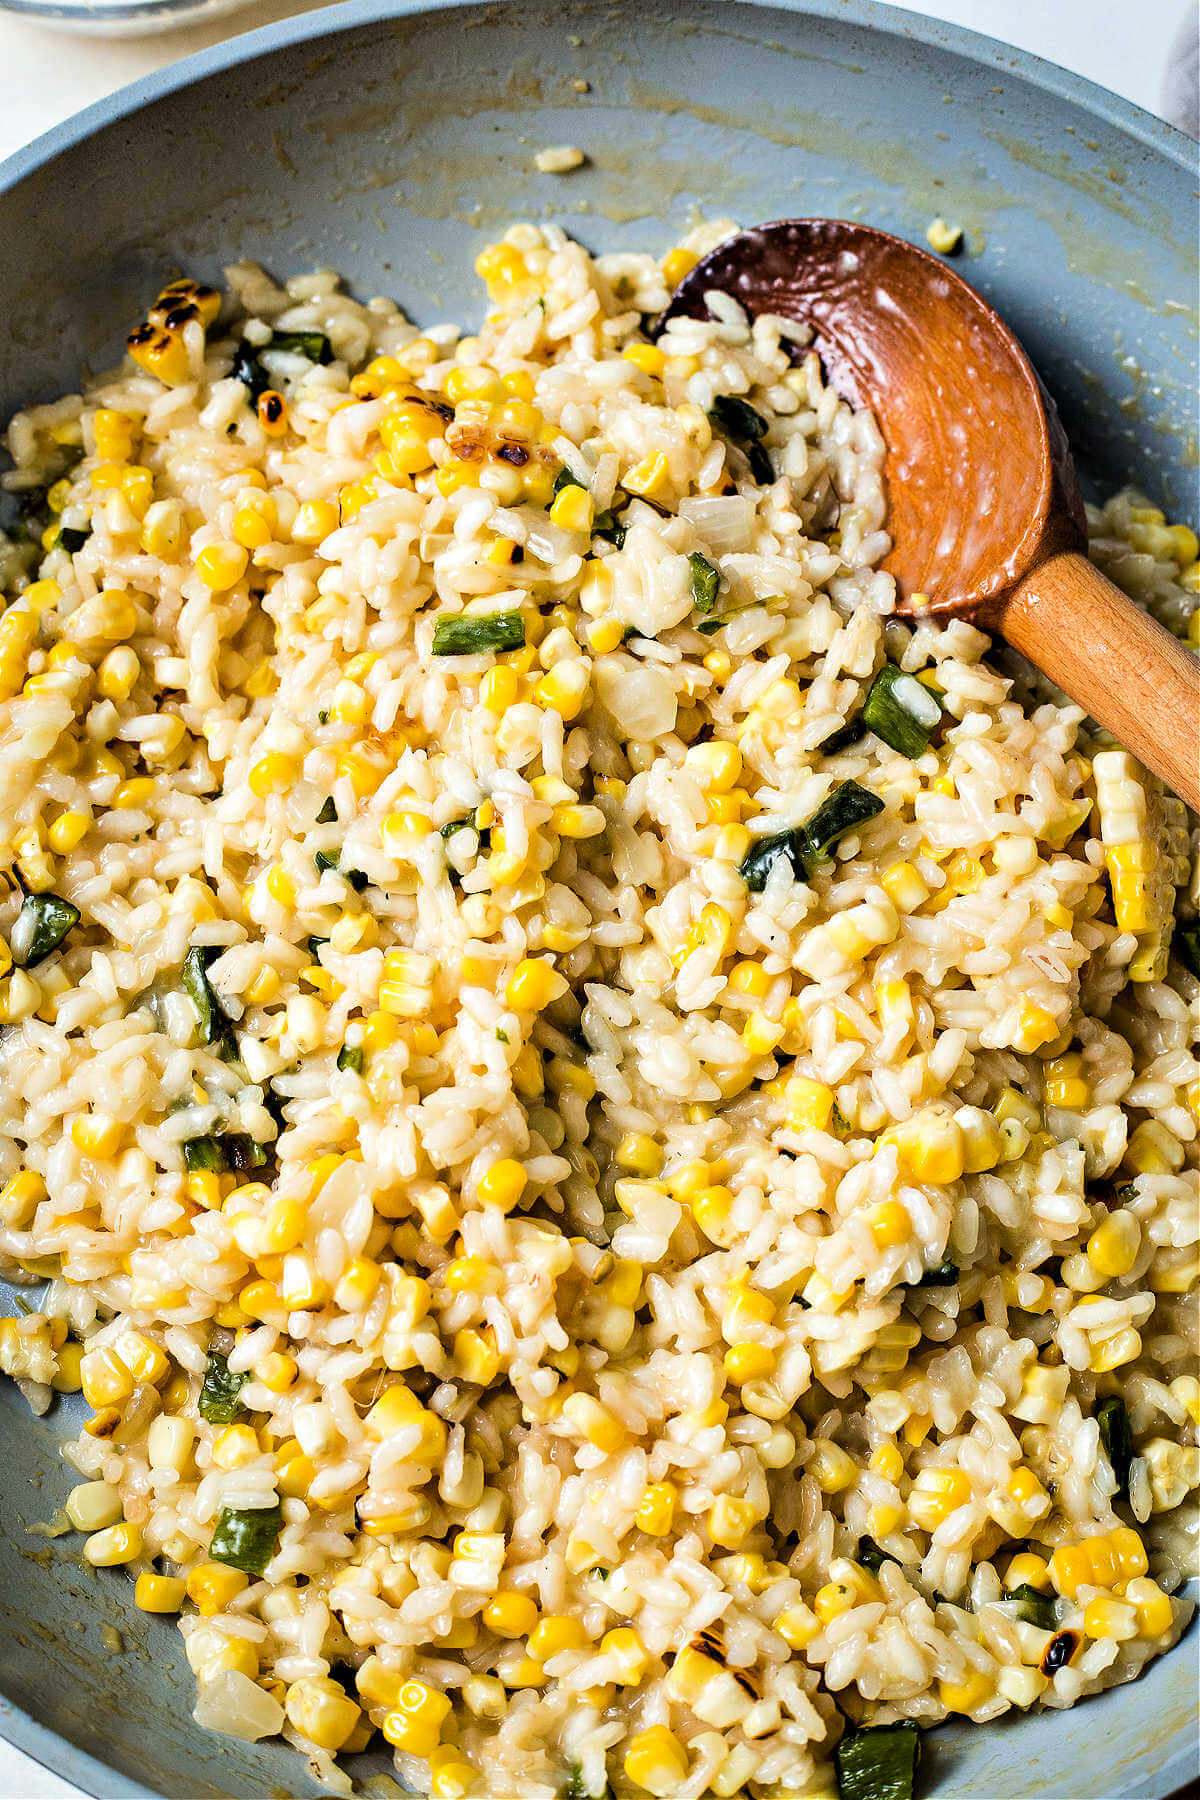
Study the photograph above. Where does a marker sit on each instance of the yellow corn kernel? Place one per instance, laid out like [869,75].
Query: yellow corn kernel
[595,1422]
[830,1466]
[274,773]
[935,1494]
[676,264]
[116,1545]
[499,688]
[965,1696]
[145,1360]
[117,675]
[503,1184]
[730,1521]
[1153,1609]
[930,1147]
[161,353]
[510,1614]
[646,357]
[1027,1570]
[280,885]
[1153,1150]
[476,1358]
[712,1209]
[315,520]
[1109,1618]
[534,985]
[1062,1083]
[749,978]
[639,1154]
[797,1626]
[890,1224]
[749,1362]
[656,1761]
[628,1654]
[1103,1561]
[416,1720]
[564,688]
[321,1711]
[656,1509]
[21,1197]
[158,1593]
[809,1104]
[651,477]
[97,1133]
[554,1634]
[573,509]
[221,566]
[235,1446]
[1113,1248]
[1035,1027]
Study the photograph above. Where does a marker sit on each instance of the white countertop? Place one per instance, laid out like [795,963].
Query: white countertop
[45,76]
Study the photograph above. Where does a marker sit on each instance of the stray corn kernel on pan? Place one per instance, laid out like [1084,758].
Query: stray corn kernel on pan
[607,1129]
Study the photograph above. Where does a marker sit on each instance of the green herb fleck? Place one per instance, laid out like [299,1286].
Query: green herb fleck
[1112,1416]
[40,927]
[350,1057]
[245,1538]
[467,635]
[705,580]
[1034,1608]
[879,1762]
[220,1394]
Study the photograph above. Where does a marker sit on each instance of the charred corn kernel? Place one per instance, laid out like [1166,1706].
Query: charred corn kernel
[1103,1561]
[749,1362]
[158,1593]
[964,1696]
[1113,1247]
[564,688]
[221,566]
[656,1761]
[890,1224]
[809,1104]
[161,353]
[96,1134]
[1109,1618]
[730,1521]
[935,1494]
[93,1506]
[573,509]
[646,357]
[1152,1607]
[656,1509]
[117,1544]
[534,985]
[595,1422]
[21,1197]
[416,1720]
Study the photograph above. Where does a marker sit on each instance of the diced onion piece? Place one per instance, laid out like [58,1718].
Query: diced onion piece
[237,1707]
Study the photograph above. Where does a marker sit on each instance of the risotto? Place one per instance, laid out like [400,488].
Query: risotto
[607,1129]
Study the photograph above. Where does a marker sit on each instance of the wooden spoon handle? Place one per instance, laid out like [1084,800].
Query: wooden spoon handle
[1111,657]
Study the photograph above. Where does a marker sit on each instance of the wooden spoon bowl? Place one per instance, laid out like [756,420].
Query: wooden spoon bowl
[984,508]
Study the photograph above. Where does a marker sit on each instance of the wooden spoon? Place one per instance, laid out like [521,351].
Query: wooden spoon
[985,512]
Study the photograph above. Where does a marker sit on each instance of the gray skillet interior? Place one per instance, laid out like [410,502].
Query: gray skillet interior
[392,143]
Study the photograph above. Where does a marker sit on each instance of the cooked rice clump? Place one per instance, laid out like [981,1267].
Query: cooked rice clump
[641,1299]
